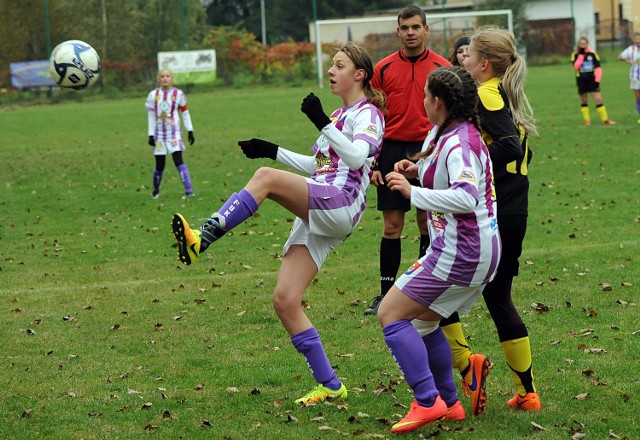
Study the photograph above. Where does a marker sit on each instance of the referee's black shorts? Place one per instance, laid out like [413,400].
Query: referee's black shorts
[392,152]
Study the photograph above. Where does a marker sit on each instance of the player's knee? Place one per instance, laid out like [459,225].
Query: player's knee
[283,304]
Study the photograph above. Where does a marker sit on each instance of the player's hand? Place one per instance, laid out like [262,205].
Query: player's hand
[582,50]
[397,182]
[152,141]
[407,168]
[257,148]
[312,107]
[376,178]
[597,86]
[192,138]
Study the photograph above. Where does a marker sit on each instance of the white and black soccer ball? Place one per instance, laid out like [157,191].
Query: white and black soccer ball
[74,64]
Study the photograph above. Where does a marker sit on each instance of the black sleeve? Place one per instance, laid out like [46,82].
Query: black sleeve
[500,135]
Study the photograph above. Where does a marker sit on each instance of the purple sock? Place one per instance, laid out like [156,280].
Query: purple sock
[308,344]
[239,207]
[441,365]
[638,105]
[157,179]
[186,178]
[408,350]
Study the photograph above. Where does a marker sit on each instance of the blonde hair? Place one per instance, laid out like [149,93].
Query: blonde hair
[498,47]
[164,69]
[585,39]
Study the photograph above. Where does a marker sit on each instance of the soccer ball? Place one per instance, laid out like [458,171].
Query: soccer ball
[74,65]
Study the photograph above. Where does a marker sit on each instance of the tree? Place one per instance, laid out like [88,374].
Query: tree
[289,20]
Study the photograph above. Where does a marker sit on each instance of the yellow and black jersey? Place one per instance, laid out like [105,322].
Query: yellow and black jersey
[585,64]
[508,148]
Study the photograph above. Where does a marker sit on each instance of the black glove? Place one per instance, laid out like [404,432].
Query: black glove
[597,86]
[192,139]
[582,50]
[257,148]
[312,107]
[152,141]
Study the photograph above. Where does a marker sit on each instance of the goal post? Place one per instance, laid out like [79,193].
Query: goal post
[378,33]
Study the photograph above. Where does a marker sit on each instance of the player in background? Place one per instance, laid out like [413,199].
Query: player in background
[460,51]
[506,119]
[164,106]
[586,63]
[401,76]
[328,204]
[631,55]
[454,170]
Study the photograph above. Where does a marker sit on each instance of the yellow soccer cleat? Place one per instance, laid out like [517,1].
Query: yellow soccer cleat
[321,393]
[188,239]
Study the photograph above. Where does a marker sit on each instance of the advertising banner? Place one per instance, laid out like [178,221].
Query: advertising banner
[31,74]
[190,67]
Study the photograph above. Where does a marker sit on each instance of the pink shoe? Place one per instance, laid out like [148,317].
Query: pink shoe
[609,122]
[530,402]
[455,413]
[419,415]
[587,123]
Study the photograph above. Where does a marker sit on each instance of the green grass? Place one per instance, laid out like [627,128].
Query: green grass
[98,319]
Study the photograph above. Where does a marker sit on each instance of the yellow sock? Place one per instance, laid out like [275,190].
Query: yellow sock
[602,111]
[518,355]
[459,346]
[585,113]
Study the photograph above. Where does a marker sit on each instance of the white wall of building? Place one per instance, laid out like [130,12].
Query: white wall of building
[582,11]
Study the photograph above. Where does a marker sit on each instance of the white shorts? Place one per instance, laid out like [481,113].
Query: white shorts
[168,147]
[634,83]
[319,246]
[440,296]
[331,221]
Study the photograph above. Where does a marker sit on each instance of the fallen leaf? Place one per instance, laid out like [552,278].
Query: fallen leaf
[146,405]
[150,427]
[538,427]
[595,350]
[606,287]
[582,396]
[205,423]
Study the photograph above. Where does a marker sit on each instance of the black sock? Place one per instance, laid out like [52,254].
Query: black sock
[390,256]
[424,244]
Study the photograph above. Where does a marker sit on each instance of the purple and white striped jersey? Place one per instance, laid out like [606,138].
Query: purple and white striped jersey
[459,197]
[632,55]
[164,107]
[360,125]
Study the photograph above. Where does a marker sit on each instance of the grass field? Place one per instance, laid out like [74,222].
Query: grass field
[105,335]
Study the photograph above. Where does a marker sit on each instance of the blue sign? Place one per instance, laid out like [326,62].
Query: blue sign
[31,74]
